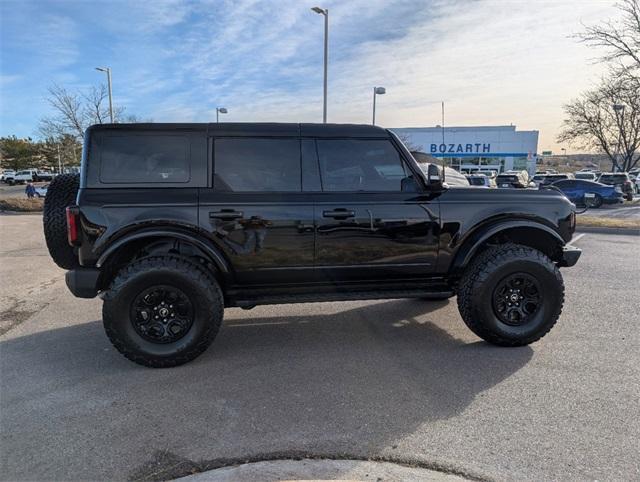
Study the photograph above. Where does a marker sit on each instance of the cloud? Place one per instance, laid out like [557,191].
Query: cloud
[493,62]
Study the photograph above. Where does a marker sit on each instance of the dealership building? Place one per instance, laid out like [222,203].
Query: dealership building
[469,149]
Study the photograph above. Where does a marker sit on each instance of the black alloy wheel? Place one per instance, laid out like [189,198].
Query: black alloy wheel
[162,314]
[516,299]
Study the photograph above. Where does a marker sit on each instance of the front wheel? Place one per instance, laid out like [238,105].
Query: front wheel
[163,311]
[511,295]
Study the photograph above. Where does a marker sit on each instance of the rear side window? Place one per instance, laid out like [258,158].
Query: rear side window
[144,159]
[360,165]
[257,165]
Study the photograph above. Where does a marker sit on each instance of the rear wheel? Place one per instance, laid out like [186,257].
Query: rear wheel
[163,311]
[511,295]
[597,201]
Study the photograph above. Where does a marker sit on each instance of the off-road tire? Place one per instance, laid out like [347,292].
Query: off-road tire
[61,193]
[475,294]
[189,276]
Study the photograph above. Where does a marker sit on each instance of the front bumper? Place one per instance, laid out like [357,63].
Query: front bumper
[570,255]
[83,282]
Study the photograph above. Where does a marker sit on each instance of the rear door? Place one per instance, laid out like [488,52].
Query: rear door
[256,212]
[371,223]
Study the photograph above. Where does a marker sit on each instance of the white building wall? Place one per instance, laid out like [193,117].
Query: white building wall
[502,143]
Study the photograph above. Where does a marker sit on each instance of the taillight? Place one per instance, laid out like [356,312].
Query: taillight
[72,225]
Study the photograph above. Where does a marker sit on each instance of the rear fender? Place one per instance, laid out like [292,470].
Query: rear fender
[214,255]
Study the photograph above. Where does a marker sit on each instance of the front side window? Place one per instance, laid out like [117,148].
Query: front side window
[360,165]
[144,159]
[257,165]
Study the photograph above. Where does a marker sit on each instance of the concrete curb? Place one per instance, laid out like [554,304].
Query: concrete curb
[324,469]
[602,230]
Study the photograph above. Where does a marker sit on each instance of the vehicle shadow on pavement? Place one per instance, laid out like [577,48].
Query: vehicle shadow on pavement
[353,382]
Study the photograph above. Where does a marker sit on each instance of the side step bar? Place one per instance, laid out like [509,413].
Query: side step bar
[278,299]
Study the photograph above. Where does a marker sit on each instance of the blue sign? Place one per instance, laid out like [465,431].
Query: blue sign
[458,148]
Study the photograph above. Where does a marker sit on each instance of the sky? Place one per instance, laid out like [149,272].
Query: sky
[491,62]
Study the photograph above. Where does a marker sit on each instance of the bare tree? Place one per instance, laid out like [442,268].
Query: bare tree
[408,142]
[621,39]
[607,119]
[69,118]
[75,111]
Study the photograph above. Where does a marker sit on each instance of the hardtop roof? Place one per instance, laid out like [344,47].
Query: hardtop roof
[269,129]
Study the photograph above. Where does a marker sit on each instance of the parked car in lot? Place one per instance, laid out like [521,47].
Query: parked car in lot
[551,178]
[8,176]
[292,213]
[513,179]
[32,175]
[26,175]
[41,191]
[620,180]
[577,189]
[480,180]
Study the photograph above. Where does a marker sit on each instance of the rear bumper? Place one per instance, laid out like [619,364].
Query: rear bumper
[83,282]
[570,255]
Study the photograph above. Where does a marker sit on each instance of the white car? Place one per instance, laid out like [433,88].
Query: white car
[8,175]
[41,191]
[28,175]
[452,178]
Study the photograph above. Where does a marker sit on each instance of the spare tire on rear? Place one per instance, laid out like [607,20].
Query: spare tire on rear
[61,193]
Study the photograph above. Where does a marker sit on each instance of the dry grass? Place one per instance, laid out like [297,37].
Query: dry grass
[594,221]
[23,205]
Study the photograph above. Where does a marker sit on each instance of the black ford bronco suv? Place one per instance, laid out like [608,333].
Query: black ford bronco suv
[171,223]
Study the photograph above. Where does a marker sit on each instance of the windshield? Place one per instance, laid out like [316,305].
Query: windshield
[585,175]
[476,181]
[613,178]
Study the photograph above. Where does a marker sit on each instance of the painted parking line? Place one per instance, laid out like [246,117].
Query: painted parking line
[573,240]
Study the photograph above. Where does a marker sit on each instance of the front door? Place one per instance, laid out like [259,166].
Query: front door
[256,212]
[368,227]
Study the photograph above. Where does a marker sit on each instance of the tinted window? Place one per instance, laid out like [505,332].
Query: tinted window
[613,178]
[255,165]
[360,165]
[144,159]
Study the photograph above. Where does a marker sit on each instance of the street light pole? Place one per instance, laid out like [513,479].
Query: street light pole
[325,12]
[220,110]
[108,72]
[376,91]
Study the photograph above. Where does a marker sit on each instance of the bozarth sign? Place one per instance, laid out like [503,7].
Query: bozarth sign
[456,148]
[482,148]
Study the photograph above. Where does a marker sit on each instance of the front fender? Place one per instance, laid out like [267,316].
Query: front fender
[473,241]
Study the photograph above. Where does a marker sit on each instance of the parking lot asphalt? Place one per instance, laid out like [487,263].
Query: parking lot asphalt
[400,380]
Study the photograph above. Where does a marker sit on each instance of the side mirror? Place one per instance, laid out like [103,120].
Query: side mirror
[434,177]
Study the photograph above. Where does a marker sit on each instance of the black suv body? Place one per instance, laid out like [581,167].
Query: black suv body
[171,223]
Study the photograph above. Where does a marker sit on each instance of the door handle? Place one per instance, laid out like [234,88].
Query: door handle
[226,214]
[339,213]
